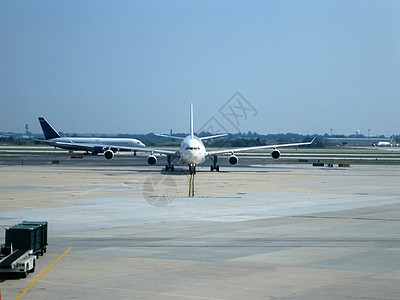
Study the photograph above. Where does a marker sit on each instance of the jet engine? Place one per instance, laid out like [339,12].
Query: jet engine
[275,154]
[109,154]
[151,160]
[233,159]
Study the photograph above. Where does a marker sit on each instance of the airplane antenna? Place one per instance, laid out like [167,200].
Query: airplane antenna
[191,119]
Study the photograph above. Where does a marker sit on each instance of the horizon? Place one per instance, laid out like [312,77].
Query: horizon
[99,134]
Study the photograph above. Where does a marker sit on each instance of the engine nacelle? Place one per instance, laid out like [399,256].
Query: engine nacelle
[275,154]
[151,160]
[233,159]
[109,154]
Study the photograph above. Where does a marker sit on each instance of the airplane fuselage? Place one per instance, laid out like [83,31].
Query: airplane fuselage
[69,142]
[384,144]
[192,151]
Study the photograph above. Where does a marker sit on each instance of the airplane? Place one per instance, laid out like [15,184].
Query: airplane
[108,146]
[192,151]
[384,144]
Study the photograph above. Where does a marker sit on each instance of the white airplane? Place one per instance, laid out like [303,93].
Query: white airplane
[193,152]
[384,144]
[108,146]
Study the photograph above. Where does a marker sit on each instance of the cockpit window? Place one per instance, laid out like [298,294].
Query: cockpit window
[192,148]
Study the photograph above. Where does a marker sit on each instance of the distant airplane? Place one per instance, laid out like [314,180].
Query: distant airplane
[193,152]
[108,146]
[385,144]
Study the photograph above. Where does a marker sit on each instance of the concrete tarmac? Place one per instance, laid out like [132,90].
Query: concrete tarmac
[262,232]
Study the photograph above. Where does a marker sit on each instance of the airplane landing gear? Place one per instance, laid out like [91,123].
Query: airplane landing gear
[167,168]
[192,170]
[214,166]
[170,166]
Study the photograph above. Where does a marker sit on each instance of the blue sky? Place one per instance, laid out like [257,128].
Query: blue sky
[134,66]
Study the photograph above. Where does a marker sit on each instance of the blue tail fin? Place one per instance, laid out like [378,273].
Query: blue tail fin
[48,131]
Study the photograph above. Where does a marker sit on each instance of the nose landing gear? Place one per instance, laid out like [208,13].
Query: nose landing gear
[192,169]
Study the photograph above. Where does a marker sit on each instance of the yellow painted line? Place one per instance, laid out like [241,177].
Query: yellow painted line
[191,185]
[41,275]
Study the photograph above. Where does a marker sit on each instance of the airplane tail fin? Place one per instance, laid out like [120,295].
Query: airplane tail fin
[48,130]
[191,120]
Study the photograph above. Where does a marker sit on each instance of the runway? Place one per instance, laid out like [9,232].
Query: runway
[256,231]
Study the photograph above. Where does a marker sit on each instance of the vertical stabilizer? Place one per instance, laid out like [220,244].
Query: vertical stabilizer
[48,131]
[191,119]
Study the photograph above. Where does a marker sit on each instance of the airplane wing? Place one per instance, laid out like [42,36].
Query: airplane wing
[127,148]
[151,150]
[65,145]
[234,150]
[92,147]
[73,146]
[143,149]
[182,138]
[170,136]
[212,136]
